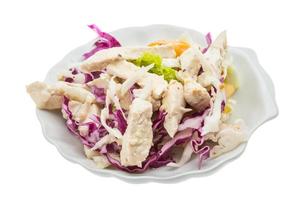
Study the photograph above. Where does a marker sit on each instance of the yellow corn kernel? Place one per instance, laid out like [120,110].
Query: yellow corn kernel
[227,109]
[222,86]
[229,89]
[231,77]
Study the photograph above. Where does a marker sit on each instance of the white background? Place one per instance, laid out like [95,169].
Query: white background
[34,35]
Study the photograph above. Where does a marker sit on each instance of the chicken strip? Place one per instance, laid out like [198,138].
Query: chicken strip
[137,139]
[101,82]
[75,92]
[217,50]
[99,159]
[126,70]
[43,96]
[50,96]
[145,93]
[122,69]
[79,110]
[102,58]
[171,62]
[191,61]
[158,84]
[174,104]
[125,99]
[228,138]
[85,115]
[196,95]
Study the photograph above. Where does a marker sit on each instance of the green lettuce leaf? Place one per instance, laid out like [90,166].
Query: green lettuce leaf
[149,58]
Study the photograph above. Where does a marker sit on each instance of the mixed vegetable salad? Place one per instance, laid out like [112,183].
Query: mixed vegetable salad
[139,107]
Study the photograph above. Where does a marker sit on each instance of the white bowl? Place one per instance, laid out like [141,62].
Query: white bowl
[255,104]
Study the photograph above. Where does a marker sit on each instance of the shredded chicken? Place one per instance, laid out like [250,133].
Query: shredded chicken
[138,137]
[195,65]
[50,96]
[79,110]
[74,92]
[85,117]
[126,70]
[159,85]
[218,49]
[90,153]
[107,139]
[122,69]
[43,96]
[125,99]
[174,104]
[171,62]
[100,160]
[101,59]
[212,120]
[101,82]
[191,60]
[196,95]
[228,138]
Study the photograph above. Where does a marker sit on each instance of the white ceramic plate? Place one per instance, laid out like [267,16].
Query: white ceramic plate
[255,104]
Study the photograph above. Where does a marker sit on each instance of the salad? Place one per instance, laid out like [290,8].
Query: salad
[140,107]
